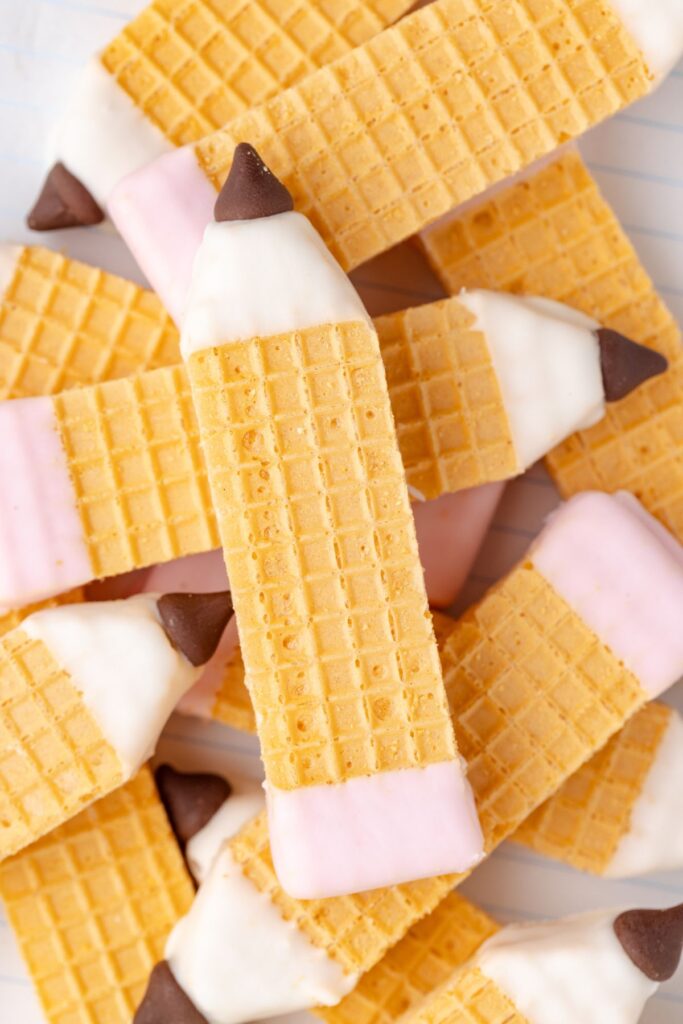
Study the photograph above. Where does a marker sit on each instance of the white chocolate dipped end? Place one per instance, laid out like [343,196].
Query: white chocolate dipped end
[42,548]
[120,658]
[238,960]
[103,136]
[260,278]
[246,800]
[371,831]
[657,27]
[9,257]
[547,361]
[622,573]
[563,972]
[654,840]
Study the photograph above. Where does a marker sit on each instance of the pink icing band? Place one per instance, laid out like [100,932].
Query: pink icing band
[623,574]
[379,830]
[161,212]
[42,551]
[450,531]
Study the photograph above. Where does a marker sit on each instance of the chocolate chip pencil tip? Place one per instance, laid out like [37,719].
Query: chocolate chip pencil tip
[190,798]
[64,202]
[165,1002]
[625,364]
[652,939]
[194,623]
[251,190]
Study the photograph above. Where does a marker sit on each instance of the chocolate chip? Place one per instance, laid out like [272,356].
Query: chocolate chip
[164,1002]
[63,203]
[653,939]
[194,623]
[625,364]
[251,190]
[191,799]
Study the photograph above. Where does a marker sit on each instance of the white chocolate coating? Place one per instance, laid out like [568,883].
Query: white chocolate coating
[654,841]
[246,800]
[547,360]
[121,660]
[102,135]
[572,971]
[657,28]
[259,278]
[238,960]
[9,254]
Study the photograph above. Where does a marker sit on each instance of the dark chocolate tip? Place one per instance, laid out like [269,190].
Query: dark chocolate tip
[64,203]
[165,1002]
[653,940]
[191,799]
[194,623]
[625,364]
[251,190]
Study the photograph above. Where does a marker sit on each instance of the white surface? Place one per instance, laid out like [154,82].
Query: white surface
[259,278]
[119,657]
[654,841]
[239,960]
[657,27]
[547,360]
[102,136]
[569,972]
[638,159]
[246,800]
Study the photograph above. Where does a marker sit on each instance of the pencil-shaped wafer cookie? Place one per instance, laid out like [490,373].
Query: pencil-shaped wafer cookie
[553,234]
[480,386]
[589,968]
[619,815]
[86,690]
[540,679]
[180,70]
[314,518]
[401,129]
[92,904]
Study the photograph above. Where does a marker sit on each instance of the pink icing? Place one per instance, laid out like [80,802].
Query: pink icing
[162,211]
[379,830]
[450,531]
[42,550]
[623,574]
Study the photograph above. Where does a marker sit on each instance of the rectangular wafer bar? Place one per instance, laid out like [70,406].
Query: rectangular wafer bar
[390,136]
[553,234]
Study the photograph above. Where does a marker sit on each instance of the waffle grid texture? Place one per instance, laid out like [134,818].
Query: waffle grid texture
[432,111]
[54,759]
[415,966]
[554,235]
[335,631]
[92,904]
[471,998]
[63,323]
[451,423]
[192,65]
[583,823]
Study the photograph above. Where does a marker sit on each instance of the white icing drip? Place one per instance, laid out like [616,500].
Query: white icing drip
[259,278]
[566,972]
[657,28]
[654,841]
[9,255]
[121,660]
[103,135]
[246,800]
[547,361]
[238,960]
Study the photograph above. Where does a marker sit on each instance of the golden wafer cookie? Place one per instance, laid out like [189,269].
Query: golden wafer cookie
[10,620]
[553,234]
[92,904]
[471,998]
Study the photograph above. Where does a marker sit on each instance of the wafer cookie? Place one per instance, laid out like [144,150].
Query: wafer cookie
[179,70]
[553,234]
[539,681]
[455,97]
[583,968]
[92,904]
[340,657]
[86,690]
